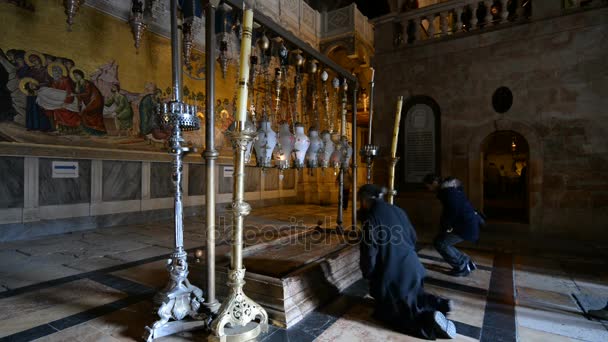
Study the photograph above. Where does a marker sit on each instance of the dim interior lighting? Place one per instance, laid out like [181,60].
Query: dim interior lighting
[513,144]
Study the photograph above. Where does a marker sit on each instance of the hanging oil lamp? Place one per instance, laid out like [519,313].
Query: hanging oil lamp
[136,21]
[71,9]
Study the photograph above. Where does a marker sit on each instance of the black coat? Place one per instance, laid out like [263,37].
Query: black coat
[390,263]
[458,212]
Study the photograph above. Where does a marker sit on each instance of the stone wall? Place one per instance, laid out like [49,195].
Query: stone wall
[556,69]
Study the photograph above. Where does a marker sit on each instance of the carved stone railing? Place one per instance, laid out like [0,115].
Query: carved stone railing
[452,17]
[296,16]
[457,17]
[344,22]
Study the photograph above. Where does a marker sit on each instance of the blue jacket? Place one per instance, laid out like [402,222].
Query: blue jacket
[458,213]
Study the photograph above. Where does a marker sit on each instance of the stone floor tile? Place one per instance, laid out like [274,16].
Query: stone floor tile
[93,263]
[79,333]
[546,299]
[356,325]
[561,322]
[468,308]
[532,335]
[34,273]
[153,274]
[31,309]
[142,253]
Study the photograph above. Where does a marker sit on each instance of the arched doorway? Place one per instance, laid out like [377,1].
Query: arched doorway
[505,175]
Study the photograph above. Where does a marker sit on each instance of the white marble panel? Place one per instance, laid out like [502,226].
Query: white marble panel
[157,203]
[50,212]
[105,208]
[11,215]
[194,200]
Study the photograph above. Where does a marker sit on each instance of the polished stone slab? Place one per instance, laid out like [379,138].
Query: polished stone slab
[121,180]
[252,179]
[11,187]
[271,179]
[30,310]
[289,182]
[55,191]
[197,179]
[161,180]
[357,325]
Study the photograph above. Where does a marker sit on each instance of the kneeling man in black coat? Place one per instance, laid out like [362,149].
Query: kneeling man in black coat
[396,275]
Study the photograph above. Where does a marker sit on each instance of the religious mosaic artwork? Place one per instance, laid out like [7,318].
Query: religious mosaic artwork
[49,99]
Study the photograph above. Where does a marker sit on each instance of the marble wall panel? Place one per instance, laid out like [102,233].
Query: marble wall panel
[56,191]
[197,174]
[121,180]
[11,187]
[161,182]
[289,182]
[271,180]
[224,183]
[252,179]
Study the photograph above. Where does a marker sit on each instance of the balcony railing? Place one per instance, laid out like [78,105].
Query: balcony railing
[461,16]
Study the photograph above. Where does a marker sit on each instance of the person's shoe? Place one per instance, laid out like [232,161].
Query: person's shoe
[601,313]
[472,265]
[460,273]
[445,306]
[443,326]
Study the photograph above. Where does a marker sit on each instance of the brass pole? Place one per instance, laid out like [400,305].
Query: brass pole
[340,219]
[394,159]
[238,310]
[354,139]
[210,154]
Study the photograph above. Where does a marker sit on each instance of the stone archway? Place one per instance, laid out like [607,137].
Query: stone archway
[505,187]
[535,166]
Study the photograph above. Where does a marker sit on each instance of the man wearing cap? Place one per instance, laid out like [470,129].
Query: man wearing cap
[396,275]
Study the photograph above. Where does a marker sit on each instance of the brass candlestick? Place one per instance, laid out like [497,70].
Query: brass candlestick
[235,317]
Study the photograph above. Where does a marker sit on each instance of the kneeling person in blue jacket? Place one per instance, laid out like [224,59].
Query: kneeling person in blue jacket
[459,222]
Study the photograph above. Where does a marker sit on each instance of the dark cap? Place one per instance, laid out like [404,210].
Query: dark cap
[371,191]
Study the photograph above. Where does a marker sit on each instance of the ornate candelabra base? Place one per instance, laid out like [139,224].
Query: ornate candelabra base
[177,300]
[236,320]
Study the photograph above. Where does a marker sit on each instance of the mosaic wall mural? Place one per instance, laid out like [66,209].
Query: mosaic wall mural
[44,96]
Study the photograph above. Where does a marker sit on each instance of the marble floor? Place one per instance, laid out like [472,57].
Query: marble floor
[97,286]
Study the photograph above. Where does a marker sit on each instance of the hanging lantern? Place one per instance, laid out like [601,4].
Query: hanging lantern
[223,56]
[328,149]
[190,28]
[265,144]
[285,147]
[264,44]
[312,67]
[316,145]
[347,152]
[71,8]
[300,146]
[136,21]
[335,160]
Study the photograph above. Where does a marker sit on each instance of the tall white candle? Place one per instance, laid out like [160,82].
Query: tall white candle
[396,128]
[241,107]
